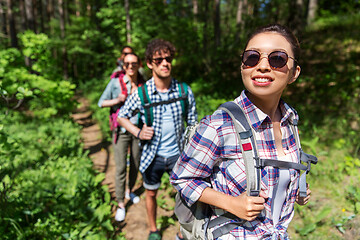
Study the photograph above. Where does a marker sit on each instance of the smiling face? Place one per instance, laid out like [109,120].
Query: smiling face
[131,65]
[262,80]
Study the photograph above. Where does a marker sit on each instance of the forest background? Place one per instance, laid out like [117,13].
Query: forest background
[52,50]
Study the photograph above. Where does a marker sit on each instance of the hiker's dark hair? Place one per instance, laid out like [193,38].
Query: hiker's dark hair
[283,31]
[158,45]
[126,46]
[134,54]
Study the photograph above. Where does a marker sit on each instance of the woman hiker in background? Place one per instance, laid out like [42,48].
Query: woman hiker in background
[202,173]
[122,84]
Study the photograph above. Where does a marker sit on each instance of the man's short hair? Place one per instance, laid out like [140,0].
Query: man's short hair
[158,45]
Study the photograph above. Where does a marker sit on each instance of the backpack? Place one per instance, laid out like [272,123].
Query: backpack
[113,111]
[114,125]
[148,105]
[195,220]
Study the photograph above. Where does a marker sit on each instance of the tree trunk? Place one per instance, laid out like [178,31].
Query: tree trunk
[205,26]
[249,7]
[128,23]
[11,22]
[41,16]
[195,12]
[77,8]
[23,20]
[239,20]
[3,18]
[195,7]
[296,16]
[62,35]
[67,13]
[313,5]
[35,14]
[29,15]
[49,16]
[217,30]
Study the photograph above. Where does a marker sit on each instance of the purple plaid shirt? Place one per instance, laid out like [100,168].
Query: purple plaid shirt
[214,153]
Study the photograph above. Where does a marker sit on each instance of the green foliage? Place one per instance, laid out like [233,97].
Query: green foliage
[44,95]
[48,187]
[350,165]
[326,96]
[334,195]
[311,221]
[163,198]
[164,222]
[340,224]
[353,195]
[166,200]
[36,48]
[206,105]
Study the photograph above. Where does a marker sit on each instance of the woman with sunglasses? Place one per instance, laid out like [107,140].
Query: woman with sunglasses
[202,173]
[121,85]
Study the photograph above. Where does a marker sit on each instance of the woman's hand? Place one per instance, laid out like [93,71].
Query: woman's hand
[247,207]
[303,200]
[121,98]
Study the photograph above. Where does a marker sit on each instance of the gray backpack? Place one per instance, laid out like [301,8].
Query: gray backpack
[195,220]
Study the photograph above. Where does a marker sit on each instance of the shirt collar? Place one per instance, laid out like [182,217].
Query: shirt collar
[152,88]
[288,113]
[258,117]
[126,79]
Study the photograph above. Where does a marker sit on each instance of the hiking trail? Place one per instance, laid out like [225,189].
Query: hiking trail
[135,225]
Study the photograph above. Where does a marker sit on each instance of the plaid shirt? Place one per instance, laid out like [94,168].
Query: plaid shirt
[214,153]
[133,104]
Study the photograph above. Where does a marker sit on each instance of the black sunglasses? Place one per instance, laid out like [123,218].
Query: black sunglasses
[277,59]
[158,61]
[134,64]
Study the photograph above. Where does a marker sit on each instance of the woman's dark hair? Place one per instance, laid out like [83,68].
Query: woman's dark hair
[283,31]
[158,45]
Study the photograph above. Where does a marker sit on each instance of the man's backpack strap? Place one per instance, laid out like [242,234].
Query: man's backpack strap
[248,146]
[146,103]
[183,91]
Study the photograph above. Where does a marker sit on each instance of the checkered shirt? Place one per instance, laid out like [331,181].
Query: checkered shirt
[133,104]
[214,153]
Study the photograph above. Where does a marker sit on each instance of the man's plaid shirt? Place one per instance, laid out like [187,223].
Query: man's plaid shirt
[133,104]
[213,159]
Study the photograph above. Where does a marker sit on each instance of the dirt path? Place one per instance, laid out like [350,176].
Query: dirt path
[135,224]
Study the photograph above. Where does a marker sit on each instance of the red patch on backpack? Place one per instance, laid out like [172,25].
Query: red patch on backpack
[247,146]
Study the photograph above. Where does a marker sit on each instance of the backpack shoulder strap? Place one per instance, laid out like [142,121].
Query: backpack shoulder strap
[146,103]
[183,91]
[248,145]
[308,159]
[122,84]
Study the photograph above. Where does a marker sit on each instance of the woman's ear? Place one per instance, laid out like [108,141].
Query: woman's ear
[296,74]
